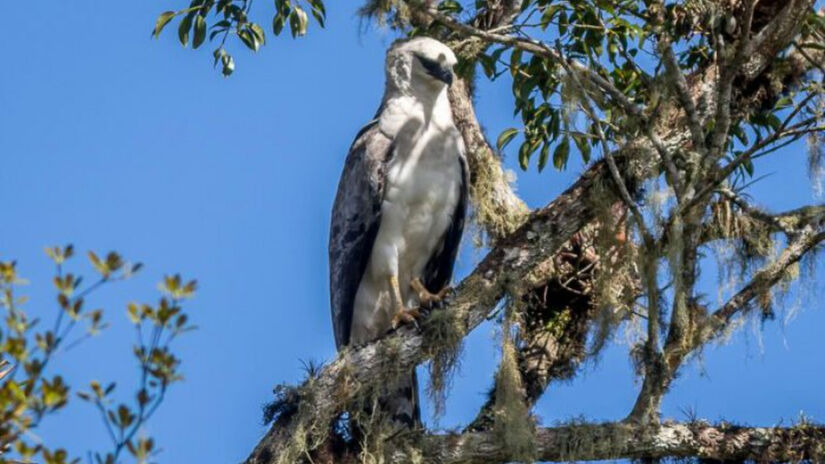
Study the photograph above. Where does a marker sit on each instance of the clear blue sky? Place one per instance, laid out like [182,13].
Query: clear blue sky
[111,140]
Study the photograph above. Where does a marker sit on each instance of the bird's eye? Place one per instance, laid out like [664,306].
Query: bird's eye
[427,63]
[436,69]
[431,66]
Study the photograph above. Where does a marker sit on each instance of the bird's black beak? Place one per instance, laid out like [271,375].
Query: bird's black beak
[437,70]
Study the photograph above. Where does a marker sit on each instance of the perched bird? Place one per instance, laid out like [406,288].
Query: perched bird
[400,208]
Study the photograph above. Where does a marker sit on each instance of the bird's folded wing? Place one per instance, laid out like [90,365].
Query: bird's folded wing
[356,215]
[439,269]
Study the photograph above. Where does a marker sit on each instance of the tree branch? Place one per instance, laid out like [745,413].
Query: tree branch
[761,282]
[591,442]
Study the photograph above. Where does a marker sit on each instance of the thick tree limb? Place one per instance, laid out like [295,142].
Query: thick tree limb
[590,442]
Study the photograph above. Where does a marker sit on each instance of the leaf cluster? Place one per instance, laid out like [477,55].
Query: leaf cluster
[231,18]
[30,392]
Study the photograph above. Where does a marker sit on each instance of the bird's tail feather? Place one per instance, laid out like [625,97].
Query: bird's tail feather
[401,403]
[397,406]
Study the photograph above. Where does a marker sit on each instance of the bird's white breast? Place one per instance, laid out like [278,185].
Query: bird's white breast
[421,194]
[422,190]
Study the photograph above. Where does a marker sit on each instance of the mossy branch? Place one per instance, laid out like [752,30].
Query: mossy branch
[590,442]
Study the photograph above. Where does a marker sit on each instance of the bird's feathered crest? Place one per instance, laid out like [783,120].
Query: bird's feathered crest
[401,60]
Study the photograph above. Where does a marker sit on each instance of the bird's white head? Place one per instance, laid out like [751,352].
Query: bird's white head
[419,66]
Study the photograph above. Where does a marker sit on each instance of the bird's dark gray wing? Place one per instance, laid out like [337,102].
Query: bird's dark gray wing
[439,269]
[356,215]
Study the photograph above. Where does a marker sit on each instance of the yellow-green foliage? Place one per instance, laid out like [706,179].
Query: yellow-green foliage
[31,390]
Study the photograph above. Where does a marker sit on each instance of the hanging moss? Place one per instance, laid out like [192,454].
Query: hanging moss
[392,13]
[443,334]
[616,284]
[512,423]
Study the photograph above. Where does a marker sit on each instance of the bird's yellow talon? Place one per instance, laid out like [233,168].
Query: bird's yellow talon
[405,316]
[427,298]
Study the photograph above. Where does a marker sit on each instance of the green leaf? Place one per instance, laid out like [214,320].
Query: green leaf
[278,24]
[583,145]
[162,21]
[555,124]
[248,40]
[450,6]
[218,53]
[298,22]
[561,153]
[200,31]
[548,14]
[318,11]
[125,416]
[228,64]
[488,64]
[215,33]
[563,23]
[283,7]
[773,121]
[740,134]
[524,156]
[258,32]
[505,138]
[543,156]
[16,391]
[515,62]
[99,265]
[183,29]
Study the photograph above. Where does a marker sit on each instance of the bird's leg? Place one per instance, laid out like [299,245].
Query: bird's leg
[427,298]
[403,314]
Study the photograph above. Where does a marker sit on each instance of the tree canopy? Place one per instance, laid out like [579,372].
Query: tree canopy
[670,104]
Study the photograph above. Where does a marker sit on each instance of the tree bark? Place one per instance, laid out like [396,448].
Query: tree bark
[590,442]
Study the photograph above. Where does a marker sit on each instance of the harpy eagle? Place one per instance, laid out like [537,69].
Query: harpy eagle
[400,208]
